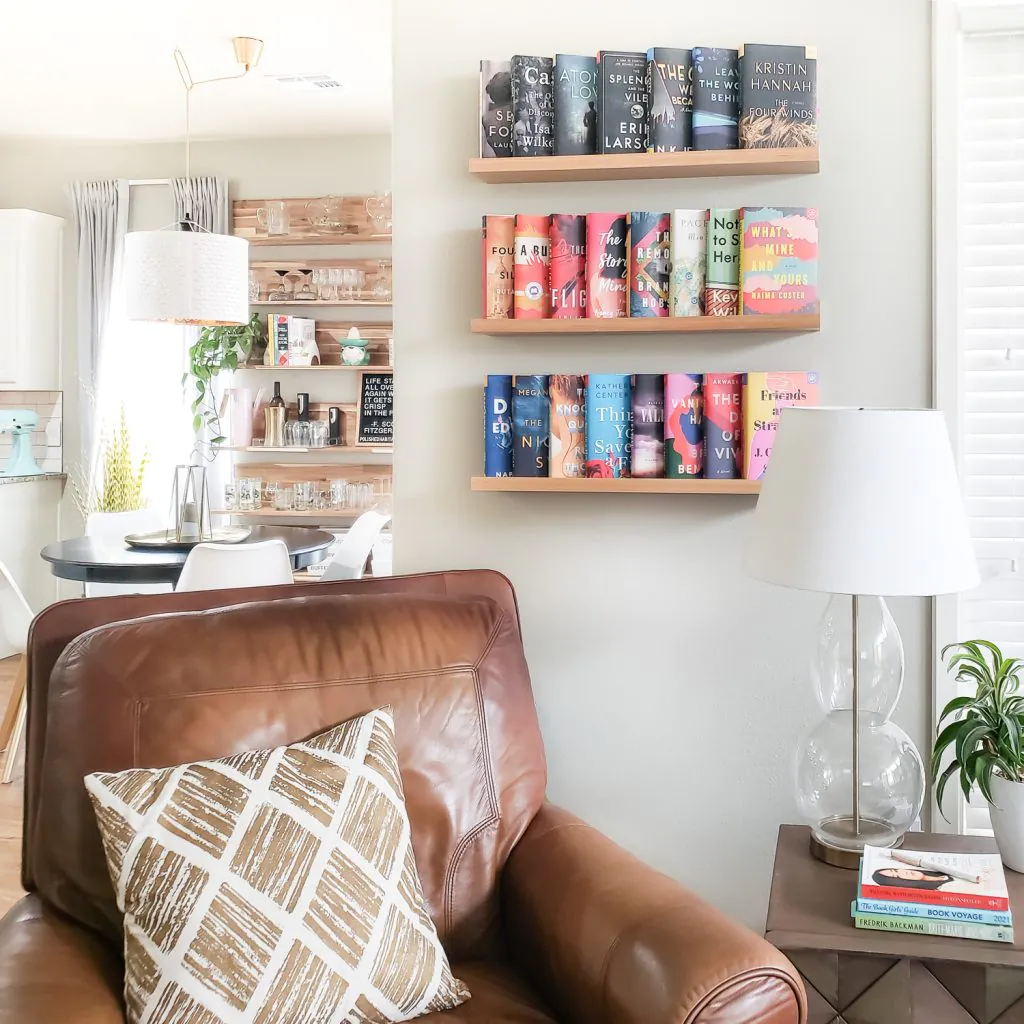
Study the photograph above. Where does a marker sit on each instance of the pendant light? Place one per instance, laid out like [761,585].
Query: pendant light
[190,275]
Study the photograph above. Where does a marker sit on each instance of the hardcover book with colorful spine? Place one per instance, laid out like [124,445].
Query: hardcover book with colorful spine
[669,86]
[575,104]
[498,425]
[495,108]
[687,260]
[622,101]
[568,266]
[934,912]
[531,425]
[648,454]
[722,280]
[723,425]
[922,926]
[648,244]
[684,425]
[498,263]
[609,424]
[778,85]
[568,454]
[779,260]
[533,106]
[716,98]
[531,271]
[607,265]
[765,395]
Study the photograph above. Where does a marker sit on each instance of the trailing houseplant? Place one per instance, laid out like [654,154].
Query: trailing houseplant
[216,349]
[986,734]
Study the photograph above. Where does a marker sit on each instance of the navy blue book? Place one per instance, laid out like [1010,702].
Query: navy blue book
[575,104]
[716,98]
[531,418]
[498,425]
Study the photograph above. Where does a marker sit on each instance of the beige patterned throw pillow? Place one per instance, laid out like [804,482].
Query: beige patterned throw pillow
[273,887]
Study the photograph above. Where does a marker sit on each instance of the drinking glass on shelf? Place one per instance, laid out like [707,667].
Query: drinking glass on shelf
[303,495]
[284,498]
[249,493]
[338,489]
[382,282]
[254,286]
[318,432]
[280,293]
[337,283]
[306,292]
[359,281]
[229,494]
[289,433]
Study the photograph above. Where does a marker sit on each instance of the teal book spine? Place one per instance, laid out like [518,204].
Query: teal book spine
[932,912]
[609,424]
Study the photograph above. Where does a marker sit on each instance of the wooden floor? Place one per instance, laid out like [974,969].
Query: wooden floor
[10,810]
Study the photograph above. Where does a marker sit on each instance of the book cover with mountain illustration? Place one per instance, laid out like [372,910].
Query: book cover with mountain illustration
[531,425]
[575,104]
[765,395]
[498,263]
[716,98]
[723,426]
[531,270]
[568,266]
[648,454]
[622,101]
[779,89]
[648,245]
[684,425]
[670,88]
[609,424]
[688,258]
[495,108]
[533,106]
[607,265]
[568,449]
[779,260]
[498,425]
[721,288]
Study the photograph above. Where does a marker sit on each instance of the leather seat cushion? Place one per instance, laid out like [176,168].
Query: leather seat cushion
[498,995]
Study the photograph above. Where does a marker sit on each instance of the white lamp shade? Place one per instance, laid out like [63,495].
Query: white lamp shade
[186,277]
[862,501]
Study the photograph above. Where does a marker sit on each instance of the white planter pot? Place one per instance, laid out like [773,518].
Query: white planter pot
[1007,813]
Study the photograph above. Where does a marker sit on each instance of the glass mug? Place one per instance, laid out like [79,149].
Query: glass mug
[283,498]
[304,493]
[273,218]
[338,491]
[250,493]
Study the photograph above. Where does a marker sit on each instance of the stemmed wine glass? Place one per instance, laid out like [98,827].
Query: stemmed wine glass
[382,282]
[306,292]
[280,294]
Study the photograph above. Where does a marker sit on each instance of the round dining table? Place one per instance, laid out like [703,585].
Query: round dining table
[99,560]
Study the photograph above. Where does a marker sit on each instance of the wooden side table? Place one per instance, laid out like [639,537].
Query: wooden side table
[855,976]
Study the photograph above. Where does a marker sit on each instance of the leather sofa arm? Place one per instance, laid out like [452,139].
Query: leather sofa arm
[53,971]
[608,940]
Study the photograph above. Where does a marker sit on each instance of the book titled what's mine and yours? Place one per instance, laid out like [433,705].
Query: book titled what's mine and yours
[664,100]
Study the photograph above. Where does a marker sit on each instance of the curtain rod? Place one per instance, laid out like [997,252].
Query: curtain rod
[149,181]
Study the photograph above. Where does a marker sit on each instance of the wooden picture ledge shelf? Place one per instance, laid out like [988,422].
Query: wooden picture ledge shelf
[607,485]
[634,166]
[796,323]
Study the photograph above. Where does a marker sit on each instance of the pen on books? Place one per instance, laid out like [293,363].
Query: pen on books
[929,865]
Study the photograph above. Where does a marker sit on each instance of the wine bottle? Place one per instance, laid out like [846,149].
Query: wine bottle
[277,401]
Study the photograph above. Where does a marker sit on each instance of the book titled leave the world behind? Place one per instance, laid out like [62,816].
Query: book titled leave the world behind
[765,395]
[779,260]
[716,98]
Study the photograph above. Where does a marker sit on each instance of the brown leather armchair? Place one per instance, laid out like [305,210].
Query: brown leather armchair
[544,919]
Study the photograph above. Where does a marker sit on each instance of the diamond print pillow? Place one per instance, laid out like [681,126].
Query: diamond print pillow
[273,887]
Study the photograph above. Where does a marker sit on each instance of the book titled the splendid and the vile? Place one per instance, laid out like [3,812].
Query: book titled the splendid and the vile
[648,244]
[607,265]
[568,449]
[721,288]
[779,90]
[765,395]
[670,89]
[498,425]
[533,106]
[648,398]
[622,101]
[495,108]
[498,235]
[568,266]
[779,260]
[530,425]
[716,98]
[609,424]
[575,104]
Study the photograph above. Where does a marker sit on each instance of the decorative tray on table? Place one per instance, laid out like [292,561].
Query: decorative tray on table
[164,540]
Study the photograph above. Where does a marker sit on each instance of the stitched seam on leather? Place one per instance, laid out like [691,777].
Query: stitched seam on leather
[136,730]
[736,979]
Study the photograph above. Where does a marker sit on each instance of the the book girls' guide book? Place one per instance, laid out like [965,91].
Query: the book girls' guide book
[779,260]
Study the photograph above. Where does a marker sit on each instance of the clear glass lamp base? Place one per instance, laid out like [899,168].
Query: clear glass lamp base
[838,842]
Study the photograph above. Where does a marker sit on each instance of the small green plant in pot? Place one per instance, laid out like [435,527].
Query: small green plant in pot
[986,736]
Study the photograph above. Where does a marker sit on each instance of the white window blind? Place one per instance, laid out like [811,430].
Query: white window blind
[991,337]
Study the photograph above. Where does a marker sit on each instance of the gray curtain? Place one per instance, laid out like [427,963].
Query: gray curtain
[204,201]
[100,210]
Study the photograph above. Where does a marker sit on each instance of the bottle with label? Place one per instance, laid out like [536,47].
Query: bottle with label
[277,401]
[274,415]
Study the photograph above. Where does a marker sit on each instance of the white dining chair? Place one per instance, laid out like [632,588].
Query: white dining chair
[113,527]
[15,618]
[265,563]
[351,554]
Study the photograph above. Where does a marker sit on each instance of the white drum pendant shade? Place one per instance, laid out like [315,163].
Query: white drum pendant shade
[186,277]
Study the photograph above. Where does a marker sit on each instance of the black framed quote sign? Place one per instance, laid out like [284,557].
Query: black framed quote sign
[375,411]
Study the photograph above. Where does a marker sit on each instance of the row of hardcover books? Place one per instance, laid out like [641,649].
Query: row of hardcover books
[675,425]
[955,895]
[665,100]
[753,260]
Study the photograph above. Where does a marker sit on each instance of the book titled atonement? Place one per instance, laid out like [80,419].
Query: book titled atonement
[575,104]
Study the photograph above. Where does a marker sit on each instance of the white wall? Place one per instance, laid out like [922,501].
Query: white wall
[671,689]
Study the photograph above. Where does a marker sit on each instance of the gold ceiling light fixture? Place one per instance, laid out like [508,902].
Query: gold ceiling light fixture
[191,276]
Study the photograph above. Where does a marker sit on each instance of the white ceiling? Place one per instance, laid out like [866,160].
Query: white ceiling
[104,69]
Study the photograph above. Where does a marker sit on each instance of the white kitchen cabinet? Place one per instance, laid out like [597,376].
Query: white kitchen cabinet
[30,298]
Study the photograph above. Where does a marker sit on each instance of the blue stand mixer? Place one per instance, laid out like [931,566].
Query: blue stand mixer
[19,423]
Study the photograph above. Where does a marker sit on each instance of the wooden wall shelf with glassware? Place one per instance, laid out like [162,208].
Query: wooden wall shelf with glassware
[282,369]
[609,485]
[295,449]
[293,277]
[310,222]
[634,166]
[320,472]
[331,335]
[292,513]
[790,324]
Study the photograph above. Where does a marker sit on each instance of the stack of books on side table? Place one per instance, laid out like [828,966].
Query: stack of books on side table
[960,895]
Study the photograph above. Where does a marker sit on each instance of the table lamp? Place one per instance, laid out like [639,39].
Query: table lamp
[860,503]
